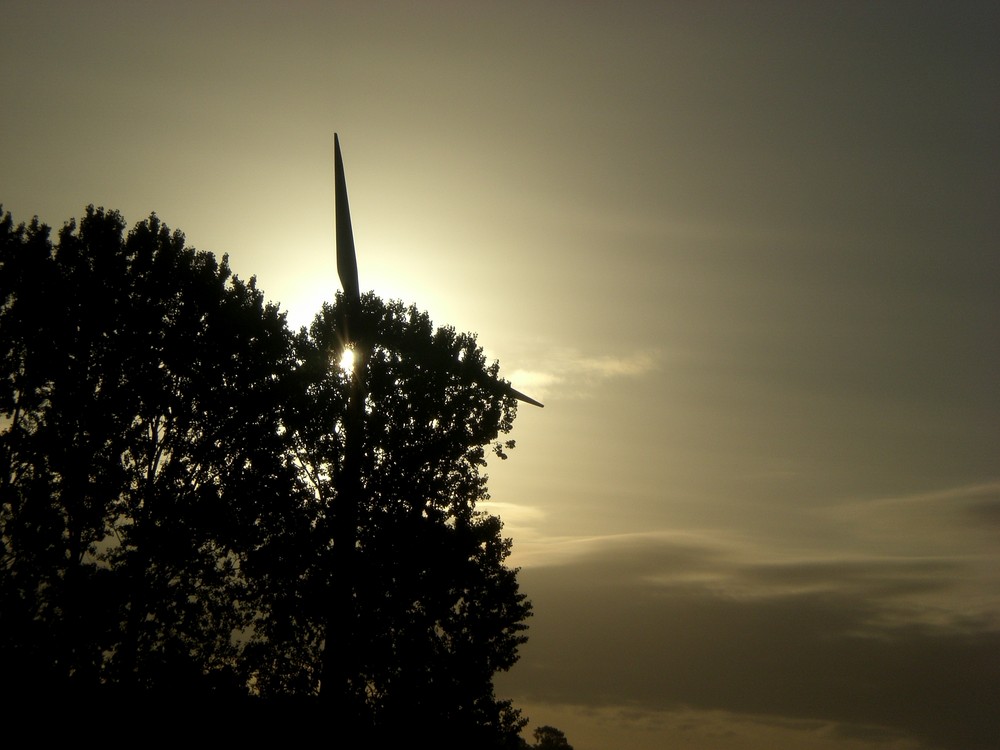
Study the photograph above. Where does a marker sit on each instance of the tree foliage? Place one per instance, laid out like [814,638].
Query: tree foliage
[439,612]
[550,738]
[142,458]
[170,462]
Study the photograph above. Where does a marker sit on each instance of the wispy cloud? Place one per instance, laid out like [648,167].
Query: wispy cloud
[924,558]
[576,375]
[699,729]
[964,504]
[716,623]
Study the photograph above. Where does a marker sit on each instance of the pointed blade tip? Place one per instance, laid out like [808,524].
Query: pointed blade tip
[347,262]
[526,399]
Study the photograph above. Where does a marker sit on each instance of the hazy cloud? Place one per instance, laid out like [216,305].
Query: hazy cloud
[696,729]
[715,626]
[577,375]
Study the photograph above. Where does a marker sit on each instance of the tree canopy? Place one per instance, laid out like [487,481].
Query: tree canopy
[550,738]
[172,462]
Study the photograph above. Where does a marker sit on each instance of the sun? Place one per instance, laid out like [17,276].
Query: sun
[347,360]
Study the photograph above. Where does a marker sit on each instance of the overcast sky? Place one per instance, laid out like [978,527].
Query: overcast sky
[746,253]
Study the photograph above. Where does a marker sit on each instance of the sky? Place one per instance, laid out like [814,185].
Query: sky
[746,253]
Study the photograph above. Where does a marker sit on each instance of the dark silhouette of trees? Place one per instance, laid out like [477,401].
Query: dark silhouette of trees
[142,458]
[170,461]
[550,738]
[438,611]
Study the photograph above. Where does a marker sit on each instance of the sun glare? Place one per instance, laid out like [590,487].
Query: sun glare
[347,360]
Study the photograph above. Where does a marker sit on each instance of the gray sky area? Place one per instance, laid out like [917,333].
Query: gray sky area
[746,253]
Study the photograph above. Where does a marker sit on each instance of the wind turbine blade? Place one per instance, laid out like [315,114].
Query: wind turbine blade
[521,397]
[505,389]
[347,260]
[347,263]
[459,368]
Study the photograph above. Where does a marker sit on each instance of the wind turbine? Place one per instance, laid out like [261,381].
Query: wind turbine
[339,657]
[347,269]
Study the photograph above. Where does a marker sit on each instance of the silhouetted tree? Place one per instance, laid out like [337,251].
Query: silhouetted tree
[550,738]
[141,454]
[171,459]
[439,613]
